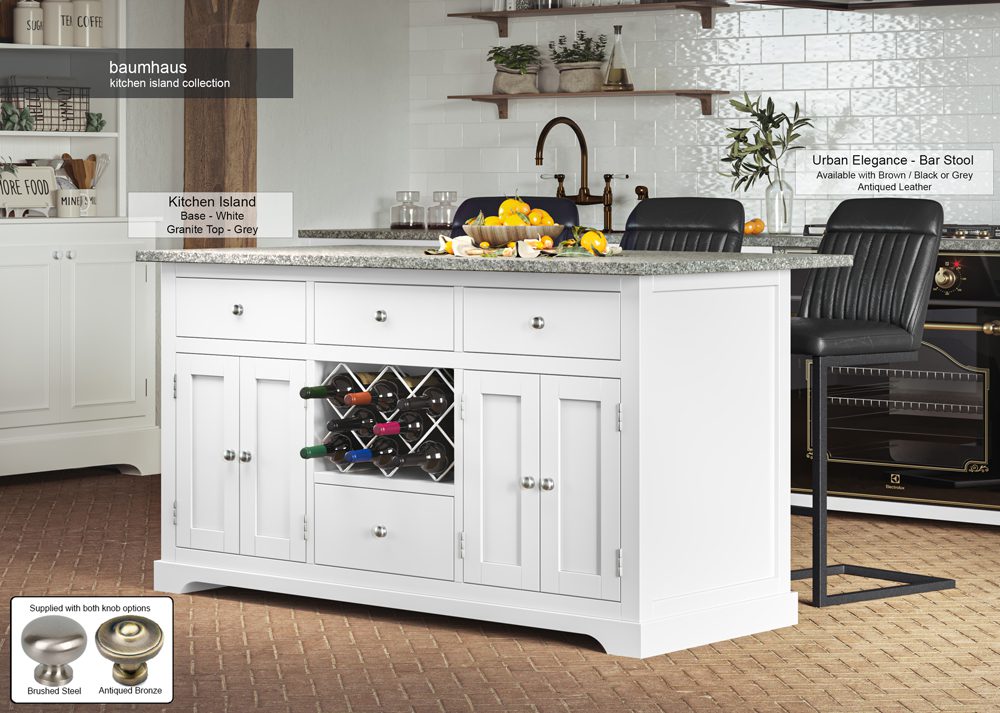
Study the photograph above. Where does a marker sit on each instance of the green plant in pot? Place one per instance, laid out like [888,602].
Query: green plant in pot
[579,63]
[517,69]
[14,119]
[757,152]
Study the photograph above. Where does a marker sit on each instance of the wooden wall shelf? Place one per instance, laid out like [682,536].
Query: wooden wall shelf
[851,5]
[705,8]
[704,96]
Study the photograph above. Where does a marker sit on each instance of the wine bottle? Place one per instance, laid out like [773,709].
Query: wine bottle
[334,448]
[384,395]
[380,447]
[432,457]
[411,425]
[431,398]
[339,386]
[362,420]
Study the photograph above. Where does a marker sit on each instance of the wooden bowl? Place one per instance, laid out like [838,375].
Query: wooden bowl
[503,234]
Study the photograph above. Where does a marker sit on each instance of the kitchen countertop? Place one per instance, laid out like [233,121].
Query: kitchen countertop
[413,258]
[767,240]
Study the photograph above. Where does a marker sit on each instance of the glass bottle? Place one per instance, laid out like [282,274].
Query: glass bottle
[617,78]
[440,215]
[407,215]
[779,203]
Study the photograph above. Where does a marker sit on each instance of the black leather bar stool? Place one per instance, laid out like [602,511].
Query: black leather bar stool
[870,313]
[562,210]
[686,224]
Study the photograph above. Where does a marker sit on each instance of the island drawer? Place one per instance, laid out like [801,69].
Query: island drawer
[255,310]
[417,535]
[393,316]
[543,322]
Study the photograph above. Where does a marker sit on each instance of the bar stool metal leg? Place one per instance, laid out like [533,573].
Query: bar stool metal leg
[820,570]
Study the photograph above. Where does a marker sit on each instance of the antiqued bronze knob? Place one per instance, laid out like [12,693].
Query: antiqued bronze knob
[129,641]
[53,641]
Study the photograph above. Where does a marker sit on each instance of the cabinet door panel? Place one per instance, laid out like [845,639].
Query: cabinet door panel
[29,333]
[272,428]
[208,493]
[580,514]
[501,449]
[105,364]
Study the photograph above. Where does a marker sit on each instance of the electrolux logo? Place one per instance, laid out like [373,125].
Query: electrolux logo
[895,482]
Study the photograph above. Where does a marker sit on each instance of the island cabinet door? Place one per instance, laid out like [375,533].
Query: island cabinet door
[208,468]
[579,486]
[272,478]
[501,477]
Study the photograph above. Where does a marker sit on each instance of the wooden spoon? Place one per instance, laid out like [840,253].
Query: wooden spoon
[68,167]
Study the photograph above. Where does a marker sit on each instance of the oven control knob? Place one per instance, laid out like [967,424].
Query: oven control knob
[945,278]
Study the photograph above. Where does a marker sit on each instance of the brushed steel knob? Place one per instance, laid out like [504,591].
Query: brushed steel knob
[548,484]
[129,642]
[527,482]
[70,255]
[381,316]
[245,457]
[238,310]
[53,641]
[56,255]
[380,531]
[229,455]
[538,323]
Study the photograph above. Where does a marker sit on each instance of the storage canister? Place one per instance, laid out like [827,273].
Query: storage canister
[88,23]
[58,22]
[28,23]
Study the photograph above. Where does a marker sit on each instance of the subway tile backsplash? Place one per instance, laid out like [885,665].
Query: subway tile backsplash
[926,77]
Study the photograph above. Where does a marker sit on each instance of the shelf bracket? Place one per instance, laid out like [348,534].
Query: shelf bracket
[703,98]
[707,15]
[503,108]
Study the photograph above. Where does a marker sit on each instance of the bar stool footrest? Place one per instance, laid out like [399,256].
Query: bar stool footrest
[908,583]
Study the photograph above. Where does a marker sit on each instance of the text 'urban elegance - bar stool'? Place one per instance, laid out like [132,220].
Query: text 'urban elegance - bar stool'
[686,224]
[870,313]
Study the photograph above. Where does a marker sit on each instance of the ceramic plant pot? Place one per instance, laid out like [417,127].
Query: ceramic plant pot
[577,77]
[512,81]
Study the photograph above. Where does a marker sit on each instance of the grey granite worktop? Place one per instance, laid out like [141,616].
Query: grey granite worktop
[767,240]
[413,258]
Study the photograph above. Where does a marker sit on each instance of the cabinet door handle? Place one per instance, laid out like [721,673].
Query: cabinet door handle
[56,255]
[238,310]
[245,457]
[70,254]
[538,323]
[229,455]
[548,484]
[381,316]
[380,531]
[527,483]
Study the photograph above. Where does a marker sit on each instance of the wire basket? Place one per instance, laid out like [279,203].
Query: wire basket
[53,108]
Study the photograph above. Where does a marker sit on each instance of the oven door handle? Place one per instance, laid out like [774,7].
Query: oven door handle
[989,328]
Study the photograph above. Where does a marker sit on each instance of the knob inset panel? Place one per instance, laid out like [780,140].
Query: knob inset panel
[53,641]
[129,642]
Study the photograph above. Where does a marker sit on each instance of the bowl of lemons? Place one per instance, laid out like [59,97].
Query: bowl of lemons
[515,220]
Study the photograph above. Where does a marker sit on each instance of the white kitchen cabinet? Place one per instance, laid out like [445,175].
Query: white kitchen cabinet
[543,493]
[240,484]
[78,360]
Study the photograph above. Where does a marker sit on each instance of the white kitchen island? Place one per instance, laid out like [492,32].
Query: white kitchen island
[620,431]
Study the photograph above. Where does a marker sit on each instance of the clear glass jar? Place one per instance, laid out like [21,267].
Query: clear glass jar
[442,213]
[408,214]
[617,78]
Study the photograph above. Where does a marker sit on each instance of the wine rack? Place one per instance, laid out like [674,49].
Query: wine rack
[413,379]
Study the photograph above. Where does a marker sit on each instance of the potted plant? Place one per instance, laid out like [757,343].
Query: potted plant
[517,69]
[579,64]
[757,151]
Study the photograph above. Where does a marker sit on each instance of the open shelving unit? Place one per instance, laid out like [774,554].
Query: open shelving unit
[704,97]
[851,5]
[705,8]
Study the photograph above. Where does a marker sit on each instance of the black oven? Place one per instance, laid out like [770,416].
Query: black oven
[923,431]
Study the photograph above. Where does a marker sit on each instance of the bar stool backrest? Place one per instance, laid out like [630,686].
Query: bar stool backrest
[895,243]
[686,224]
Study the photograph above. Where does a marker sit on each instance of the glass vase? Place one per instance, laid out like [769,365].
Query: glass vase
[779,202]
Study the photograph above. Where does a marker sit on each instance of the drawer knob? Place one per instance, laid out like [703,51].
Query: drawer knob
[56,255]
[245,457]
[53,641]
[538,323]
[548,484]
[381,316]
[229,455]
[238,310]
[527,483]
[380,531]
[129,642]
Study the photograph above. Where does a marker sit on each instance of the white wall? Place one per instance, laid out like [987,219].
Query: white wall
[906,78]
[341,144]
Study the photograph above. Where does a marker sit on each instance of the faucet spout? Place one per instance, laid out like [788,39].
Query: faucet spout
[584,151]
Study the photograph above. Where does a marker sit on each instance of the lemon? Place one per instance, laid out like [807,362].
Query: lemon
[493,220]
[509,207]
[594,242]
[514,219]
